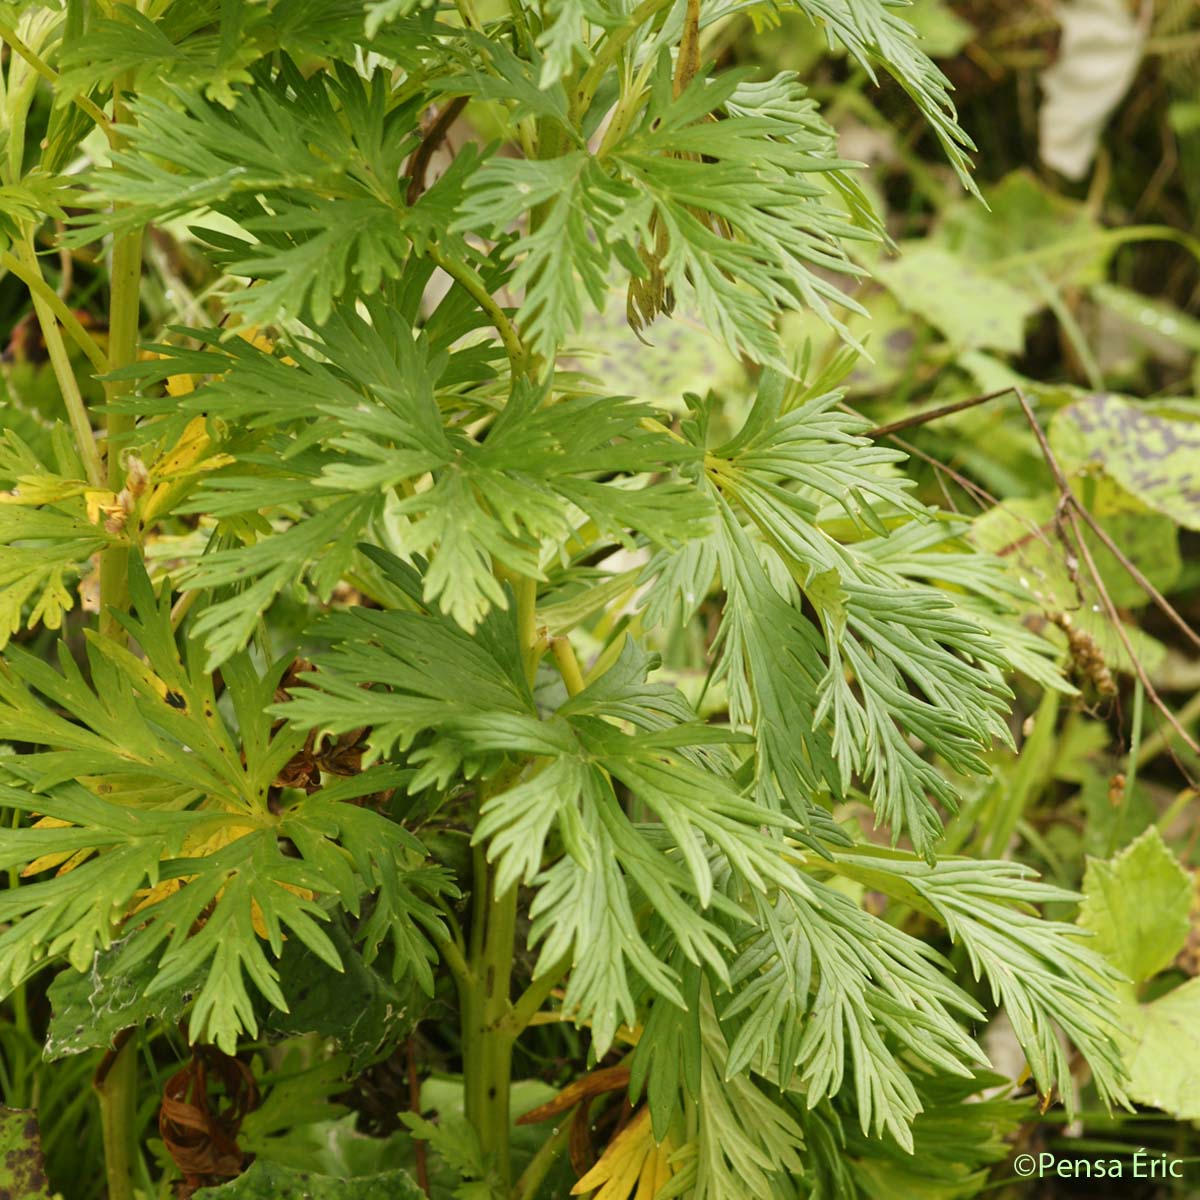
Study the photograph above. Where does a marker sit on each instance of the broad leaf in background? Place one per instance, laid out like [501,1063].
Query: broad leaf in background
[972,309]
[22,1172]
[1138,905]
[1023,532]
[982,273]
[273,1181]
[1151,454]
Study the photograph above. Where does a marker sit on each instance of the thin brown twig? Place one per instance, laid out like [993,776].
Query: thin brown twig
[923,418]
[418,163]
[1038,533]
[1115,618]
[1070,498]
[1165,606]
[979,494]
[1071,507]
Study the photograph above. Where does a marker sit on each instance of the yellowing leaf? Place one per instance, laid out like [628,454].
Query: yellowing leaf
[633,1166]
[50,860]
[100,503]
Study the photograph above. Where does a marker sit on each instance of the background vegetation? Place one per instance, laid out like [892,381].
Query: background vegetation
[1037,358]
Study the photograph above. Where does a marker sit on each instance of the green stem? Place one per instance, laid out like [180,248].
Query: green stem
[493,1078]
[487,1039]
[462,273]
[547,1155]
[64,374]
[118,1089]
[31,276]
[568,665]
[51,75]
[1116,828]
[517,1019]
[531,647]
[450,954]
[117,1093]
[608,53]
[1158,741]
[125,278]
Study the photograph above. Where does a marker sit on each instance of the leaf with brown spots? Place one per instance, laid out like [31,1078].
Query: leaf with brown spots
[1154,457]
[22,1172]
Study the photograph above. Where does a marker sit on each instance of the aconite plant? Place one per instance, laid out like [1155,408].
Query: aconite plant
[383,575]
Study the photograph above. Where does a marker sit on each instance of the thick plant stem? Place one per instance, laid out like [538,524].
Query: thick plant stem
[117,1093]
[489,1075]
[487,1034]
[124,308]
[117,1090]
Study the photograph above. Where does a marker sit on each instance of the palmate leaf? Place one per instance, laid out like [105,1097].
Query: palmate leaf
[957,1136]
[922,666]
[51,524]
[830,990]
[741,227]
[453,706]
[205,44]
[230,907]
[744,1138]
[307,169]
[373,398]
[821,988]
[875,34]
[1048,979]
[142,720]
[193,871]
[559,40]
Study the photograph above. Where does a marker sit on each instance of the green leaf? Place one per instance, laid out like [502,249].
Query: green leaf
[743,1137]
[307,169]
[380,12]
[943,32]
[1026,237]
[970,308]
[689,207]
[958,1134]
[299,1107]
[1162,1049]
[88,1009]
[198,863]
[273,1181]
[1138,905]
[923,663]
[877,34]
[22,1171]
[47,534]
[845,992]
[1047,977]
[360,1007]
